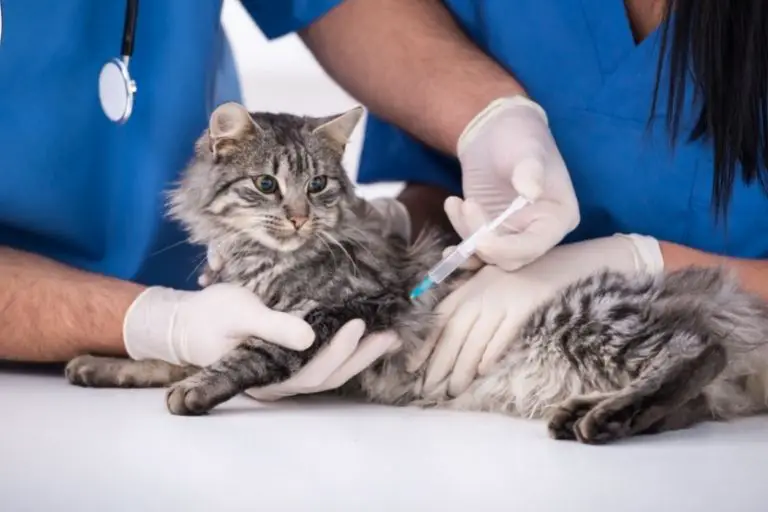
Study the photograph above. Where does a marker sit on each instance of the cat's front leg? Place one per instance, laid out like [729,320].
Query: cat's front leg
[253,363]
[112,372]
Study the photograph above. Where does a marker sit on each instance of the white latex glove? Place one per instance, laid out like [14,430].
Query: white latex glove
[345,357]
[183,327]
[479,320]
[508,150]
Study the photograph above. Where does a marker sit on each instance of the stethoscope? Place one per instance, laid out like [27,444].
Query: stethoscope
[116,87]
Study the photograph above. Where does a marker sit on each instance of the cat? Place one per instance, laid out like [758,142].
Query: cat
[612,355]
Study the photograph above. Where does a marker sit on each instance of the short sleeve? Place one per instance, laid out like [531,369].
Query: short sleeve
[277,18]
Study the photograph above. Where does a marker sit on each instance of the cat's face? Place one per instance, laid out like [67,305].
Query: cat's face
[278,179]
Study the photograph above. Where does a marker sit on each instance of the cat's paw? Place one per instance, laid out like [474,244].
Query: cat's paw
[188,398]
[562,424]
[90,372]
[602,425]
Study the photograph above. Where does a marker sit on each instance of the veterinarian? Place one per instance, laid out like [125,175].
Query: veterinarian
[469,98]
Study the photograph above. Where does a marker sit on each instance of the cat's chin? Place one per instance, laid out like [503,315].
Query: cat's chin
[285,244]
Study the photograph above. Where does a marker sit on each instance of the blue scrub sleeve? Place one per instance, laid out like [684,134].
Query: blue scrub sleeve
[277,18]
[391,155]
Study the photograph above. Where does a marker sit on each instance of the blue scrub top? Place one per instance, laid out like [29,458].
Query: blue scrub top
[579,60]
[82,190]
[89,193]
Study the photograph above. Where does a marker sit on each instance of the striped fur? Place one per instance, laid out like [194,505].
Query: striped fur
[610,356]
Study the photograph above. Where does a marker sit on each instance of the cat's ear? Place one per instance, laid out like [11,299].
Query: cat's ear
[338,129]
[229,125]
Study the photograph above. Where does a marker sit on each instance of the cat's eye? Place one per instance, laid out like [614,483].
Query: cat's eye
[317,184]
[266,184]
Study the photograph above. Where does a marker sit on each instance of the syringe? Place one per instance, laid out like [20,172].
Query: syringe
[464,250]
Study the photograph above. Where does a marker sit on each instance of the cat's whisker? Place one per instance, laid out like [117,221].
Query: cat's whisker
[168,247]
[346,253]
[333,256]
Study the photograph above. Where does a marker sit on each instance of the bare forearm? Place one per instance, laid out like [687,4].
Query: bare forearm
[753,273]
[410,64]
[50,312]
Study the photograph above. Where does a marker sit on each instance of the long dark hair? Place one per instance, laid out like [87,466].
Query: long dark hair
[723,46]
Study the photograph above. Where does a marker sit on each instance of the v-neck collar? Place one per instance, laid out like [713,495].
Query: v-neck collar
[611,34]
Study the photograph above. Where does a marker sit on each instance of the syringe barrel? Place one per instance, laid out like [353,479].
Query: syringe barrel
[447,266]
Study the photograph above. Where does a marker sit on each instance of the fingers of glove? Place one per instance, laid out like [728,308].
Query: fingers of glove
[498,343]
[250,317]
[320,368]
[465,216]
[449,344]
[514,250]
[472,264]
[482,332]
[453,209]
[444,313]
[528,178]
[370,349]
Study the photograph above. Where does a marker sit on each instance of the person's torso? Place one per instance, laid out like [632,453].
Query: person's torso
[73,185]
[579,60]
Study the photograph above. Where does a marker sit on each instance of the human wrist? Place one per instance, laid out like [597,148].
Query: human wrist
[149,324]
[493,109]
[646,251]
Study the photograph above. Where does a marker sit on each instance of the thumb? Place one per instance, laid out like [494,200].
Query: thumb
[256,319]
[528,178]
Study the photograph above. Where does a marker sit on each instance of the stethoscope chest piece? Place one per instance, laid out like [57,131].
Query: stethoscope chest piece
[116,87]
[116,90]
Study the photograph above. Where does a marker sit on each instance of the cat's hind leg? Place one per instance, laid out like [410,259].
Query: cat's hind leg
[662,397]
[112,372]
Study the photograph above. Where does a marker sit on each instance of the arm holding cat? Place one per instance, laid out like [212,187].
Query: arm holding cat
[412,65]
[51,313]
[480,319]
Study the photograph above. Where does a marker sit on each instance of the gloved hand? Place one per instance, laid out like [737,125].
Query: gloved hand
[334,365]
[505,151]
[479,320]
[198,327]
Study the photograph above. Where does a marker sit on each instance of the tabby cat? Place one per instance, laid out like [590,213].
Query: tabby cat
[611,356]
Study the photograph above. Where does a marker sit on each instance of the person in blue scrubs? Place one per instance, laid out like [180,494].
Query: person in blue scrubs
[630,168]
[480,99]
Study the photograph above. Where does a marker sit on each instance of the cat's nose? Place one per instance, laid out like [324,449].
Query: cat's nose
[298,221]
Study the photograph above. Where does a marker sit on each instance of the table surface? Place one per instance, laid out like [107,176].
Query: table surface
[68,448]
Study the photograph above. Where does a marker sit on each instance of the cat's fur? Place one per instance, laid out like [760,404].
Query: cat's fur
[611,356]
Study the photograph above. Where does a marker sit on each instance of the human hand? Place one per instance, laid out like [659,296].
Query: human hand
[478,321]
[506,151]
[347,354]
[197,328]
